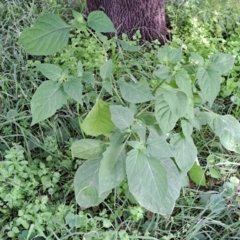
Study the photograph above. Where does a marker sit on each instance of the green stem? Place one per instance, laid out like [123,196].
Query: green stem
[118,97]
[154,90]
[150,105]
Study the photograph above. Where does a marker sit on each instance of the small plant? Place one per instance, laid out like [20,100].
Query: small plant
[21,180]
[139,128]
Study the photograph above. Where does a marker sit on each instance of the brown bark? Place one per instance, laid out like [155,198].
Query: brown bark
[129,15]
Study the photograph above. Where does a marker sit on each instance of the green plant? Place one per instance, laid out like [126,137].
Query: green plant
[21,180]
[208,27]
[141,128]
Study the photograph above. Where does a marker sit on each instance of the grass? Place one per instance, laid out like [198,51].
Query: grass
[36,168]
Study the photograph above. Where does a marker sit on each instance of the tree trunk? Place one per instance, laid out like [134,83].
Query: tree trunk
[129,15]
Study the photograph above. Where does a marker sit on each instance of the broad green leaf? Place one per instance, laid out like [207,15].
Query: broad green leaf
[147,180]
[141,130]
[187,128]
[11,114]
[121,116]
[126,46]
[198,60]
[106,69]
[113,168]
[185,105]
[205,117]
[197,175]
[171,99]
[48,35]
[183,81]
[191,69]
[185,152]
[162,72]
[89,78]
[116,138]
[209,82]
[175,180]
[73,88]
[163,52]
[214,173]
[107,86]
[222,62]
[98,121]
[86,184]
[216,203]
[46,100]
[100,22]
[228,130]
[50,71]
[135,93]
[101,37]
[165,117]
[80,70]
[73,220]
[170,105]
[133,108]
[88,149]
[78,16]
[175,55]
[157,145]
[147,118]
[136,144]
